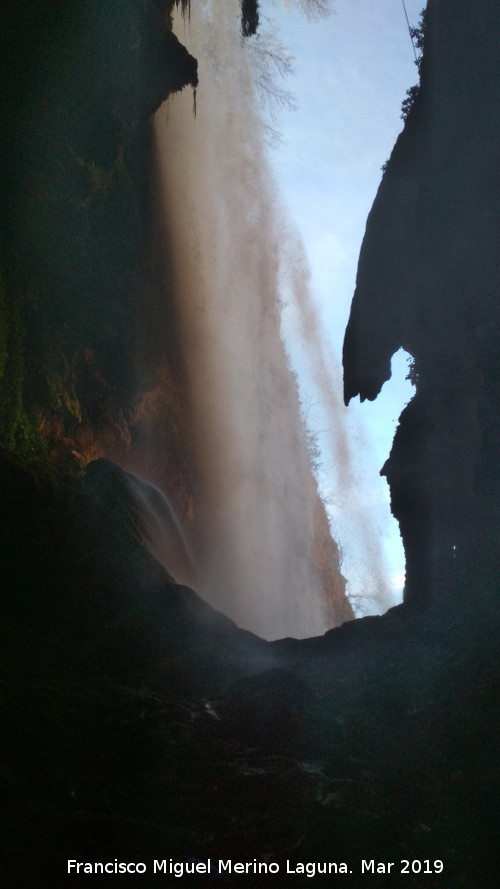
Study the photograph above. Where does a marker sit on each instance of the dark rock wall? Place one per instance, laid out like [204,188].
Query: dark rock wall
[140,724]
[80,83]
[428,280]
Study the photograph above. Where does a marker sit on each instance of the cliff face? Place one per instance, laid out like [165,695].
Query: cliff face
[81,338]
[428,279]
[80,83]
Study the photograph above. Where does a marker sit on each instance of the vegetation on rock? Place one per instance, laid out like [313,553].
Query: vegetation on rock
[417,35]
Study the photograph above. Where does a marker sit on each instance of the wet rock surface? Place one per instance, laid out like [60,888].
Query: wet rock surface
[142,725]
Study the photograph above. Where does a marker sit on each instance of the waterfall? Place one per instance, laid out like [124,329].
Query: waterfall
[263,550]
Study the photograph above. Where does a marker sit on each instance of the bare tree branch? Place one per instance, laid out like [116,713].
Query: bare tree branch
[313,9]
[271,64]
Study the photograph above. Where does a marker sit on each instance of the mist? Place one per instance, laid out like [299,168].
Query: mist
[260,547]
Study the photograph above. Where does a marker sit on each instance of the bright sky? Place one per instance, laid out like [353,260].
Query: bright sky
[352,71]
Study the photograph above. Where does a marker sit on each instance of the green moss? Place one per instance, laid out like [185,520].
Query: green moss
[19,418]
[3,327]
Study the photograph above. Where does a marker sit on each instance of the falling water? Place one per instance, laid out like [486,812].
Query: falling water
[261,551]
[161,530]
